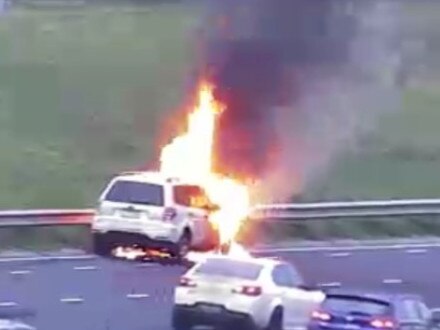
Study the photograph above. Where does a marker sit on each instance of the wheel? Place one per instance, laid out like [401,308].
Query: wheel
[101,245]
[276,320]
[181,248]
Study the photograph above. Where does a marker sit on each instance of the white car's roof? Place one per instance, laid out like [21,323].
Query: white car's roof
[249,264]
[265,262]
[151,177]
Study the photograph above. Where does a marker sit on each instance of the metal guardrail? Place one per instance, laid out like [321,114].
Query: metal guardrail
[60,217]
[274,212]
[360,209]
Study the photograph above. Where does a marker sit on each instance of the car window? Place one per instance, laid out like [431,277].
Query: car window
[346,304]
[229,268]
[408,310]
[278,277]
[190,195]
[135,193]
[294,274]
[283,275]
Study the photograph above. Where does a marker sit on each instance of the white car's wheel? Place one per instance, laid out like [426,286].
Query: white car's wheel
[276,320]
[182,247]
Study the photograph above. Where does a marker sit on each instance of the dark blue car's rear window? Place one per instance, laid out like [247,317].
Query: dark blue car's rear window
[356,304]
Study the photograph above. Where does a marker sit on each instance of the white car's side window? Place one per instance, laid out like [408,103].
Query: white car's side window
[294,275]
[190,196]
[281,277]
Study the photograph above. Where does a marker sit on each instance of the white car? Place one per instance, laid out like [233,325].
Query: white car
[243,293]
[149,210]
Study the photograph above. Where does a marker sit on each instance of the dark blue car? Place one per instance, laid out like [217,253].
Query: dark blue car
[358,310]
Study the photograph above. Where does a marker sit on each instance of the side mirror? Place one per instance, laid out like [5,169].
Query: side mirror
[211,207]
[309,287]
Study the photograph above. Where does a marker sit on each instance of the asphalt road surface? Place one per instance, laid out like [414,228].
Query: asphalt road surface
[98,294]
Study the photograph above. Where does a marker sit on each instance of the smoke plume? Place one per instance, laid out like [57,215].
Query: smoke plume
[301,79]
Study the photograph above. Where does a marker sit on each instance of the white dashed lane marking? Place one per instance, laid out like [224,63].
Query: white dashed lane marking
[8,304]
[330,285]
[416,251]
[339,254]
[145,265]
[20,272]
[392,281]
[137,295]
[85,268]
[349,248]
[410,246]
[47,258]
[71,300]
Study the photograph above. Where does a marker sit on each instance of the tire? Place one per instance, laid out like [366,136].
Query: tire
[181,248]
[101,245]
[276,320]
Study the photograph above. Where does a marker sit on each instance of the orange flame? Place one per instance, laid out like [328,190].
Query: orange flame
[189,156]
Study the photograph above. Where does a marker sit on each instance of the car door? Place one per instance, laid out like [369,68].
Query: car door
[187,197]
[409,315]
[198,204]
[289,281]
[306,300]
[281,281]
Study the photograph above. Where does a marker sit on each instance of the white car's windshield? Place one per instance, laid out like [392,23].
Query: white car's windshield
[229,268]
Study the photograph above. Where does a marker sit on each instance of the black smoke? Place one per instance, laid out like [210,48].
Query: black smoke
[292,73]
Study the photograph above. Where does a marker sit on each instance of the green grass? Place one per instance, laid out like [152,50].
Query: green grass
[400,160]
[354,228]
[84,94]
[45,238]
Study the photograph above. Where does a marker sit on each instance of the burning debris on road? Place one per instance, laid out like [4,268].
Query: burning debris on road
[142,254]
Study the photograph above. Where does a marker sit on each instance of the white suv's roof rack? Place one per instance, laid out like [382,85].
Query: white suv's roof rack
[131,173]
[170,179]
[173,179]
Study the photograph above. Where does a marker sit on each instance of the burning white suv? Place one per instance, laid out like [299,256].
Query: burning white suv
[149,210]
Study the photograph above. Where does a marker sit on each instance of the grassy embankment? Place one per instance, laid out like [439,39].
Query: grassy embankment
[83,93]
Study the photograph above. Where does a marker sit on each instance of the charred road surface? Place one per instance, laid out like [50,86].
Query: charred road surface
[92,293]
